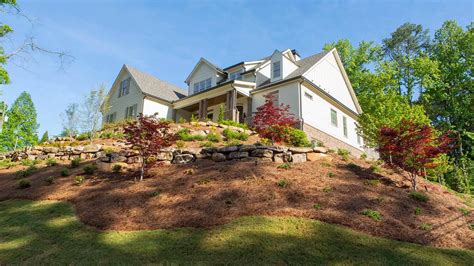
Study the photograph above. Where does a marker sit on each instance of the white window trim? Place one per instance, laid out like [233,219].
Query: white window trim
[344,127]
[278,63]
[332,122]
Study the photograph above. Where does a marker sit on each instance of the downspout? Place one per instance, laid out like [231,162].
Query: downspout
[300,106]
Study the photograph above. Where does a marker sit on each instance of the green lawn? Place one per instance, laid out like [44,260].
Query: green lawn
[44,232]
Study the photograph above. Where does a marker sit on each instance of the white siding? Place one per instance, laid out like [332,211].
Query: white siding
[204,71]
[287,67]
[263,74]
[317,113]
[328,76]
[276,57]
[287,94]
[151,107]
[119,105]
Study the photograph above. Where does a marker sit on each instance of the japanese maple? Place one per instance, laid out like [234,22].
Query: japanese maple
[148,135]
[412,147]
[272,121]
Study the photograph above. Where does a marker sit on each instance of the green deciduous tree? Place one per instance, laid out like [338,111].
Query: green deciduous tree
[20,129]
[95,103]
[45,137]
[4,30]
[71,118]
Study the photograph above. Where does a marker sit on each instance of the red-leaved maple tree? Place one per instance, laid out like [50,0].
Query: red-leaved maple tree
[148,135]
[412,147]
[272,121]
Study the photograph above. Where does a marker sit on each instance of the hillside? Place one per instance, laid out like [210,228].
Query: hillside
[208,194]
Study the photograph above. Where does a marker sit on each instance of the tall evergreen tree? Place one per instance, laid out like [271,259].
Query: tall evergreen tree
[20,129]
[45,137]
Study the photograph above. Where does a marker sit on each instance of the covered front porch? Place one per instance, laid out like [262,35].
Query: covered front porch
[233,96]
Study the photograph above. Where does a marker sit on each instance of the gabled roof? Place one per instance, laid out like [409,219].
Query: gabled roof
[154,87]
[203,60]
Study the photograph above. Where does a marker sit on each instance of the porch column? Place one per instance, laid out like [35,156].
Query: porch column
[231,105]
[202,113]
[249,111]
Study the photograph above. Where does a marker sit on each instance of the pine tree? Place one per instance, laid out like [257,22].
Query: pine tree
[45,137]
[20,129]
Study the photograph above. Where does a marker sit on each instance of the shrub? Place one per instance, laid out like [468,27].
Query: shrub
[75,162]
[23,183]
[207,144]
[106,135]
[83,136]
[234,124]
[203,181]
[426,226]
[26,172]
[49,179]
[419,196]
[330,151]
[155,193]
[265,141]
[51,162]
[185,134]
[471,226]
[283,183]
[7,163]
[231,134]
[194,119]
[372,182]
[327,189]
[363,156]
[79,179]
[233,142]
[375,169]
[330,174]
[182,120]
[214,137]
[372,214]
[317,206]
[344,154]
[298,138]
[189,171]
[90,168]
[285,166]
[418,211]
[464,211]
[180,144]
[64,171]
[28,162]
[117,168]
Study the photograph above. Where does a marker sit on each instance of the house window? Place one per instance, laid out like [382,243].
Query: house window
[276,69]
[131,112]
[333,117]
[124,87]
[202,85]
[358,139]
[110,118]
[235,75]
[309,96]
[344,126]
[276,101]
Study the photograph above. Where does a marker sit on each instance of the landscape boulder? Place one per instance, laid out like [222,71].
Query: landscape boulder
[238,155]
[300,149]
[91,148]
[314,156]
[229,149]
[284,157]
[183,159]
[298,158]
[218,157]
[320,149]
[247,148]
[164,156]
[262,153]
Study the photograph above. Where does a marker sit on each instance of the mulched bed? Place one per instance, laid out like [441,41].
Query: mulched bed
[207,194]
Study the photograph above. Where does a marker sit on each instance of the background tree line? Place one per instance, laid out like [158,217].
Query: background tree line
[410,76]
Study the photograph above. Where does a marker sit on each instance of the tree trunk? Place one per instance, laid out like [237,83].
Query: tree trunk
[142,170]
[413,180]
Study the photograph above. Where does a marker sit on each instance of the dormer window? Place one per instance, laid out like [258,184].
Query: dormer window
[202,85]
[276,70]
[235,75]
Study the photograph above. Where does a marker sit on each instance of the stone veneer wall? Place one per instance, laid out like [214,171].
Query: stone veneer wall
[330,141]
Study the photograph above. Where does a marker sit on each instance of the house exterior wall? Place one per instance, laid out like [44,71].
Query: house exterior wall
[287,66]
[118,105]
[263,74]
[203,72]
[327,75]
[316,114]
[287,94]
[152,106]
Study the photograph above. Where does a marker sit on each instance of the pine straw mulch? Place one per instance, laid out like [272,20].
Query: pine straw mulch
[207,194]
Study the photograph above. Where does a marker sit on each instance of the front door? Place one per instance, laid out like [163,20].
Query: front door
[240,108]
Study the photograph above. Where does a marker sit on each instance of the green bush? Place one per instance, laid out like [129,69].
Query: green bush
[117,168]
[372,182]
[375,169]
[207,144]
[184,134]
[75,162]
[231,134]
[418,211]
[49,180]
[180,144]
[234,124]
[426,226]
[327,189]
[79,179]
[28,162]
[363,156]
[90,168]
[298,138]
[464,211]
[330,174]
[26,172]
[317,206]
[182,120]
[64,171]
[23,183]
[285,166]
[7,163]
[344,154]
[51,162]
[372,214]
[283,183]
[214,137]
[233,142]
[419,196]
[83,136]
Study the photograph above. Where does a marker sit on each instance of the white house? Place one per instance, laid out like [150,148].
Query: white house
[316,88]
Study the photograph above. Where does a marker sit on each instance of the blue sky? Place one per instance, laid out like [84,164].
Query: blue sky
[166,38]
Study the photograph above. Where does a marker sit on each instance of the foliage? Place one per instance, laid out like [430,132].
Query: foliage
[28,162]
[214,137]
[44,138]
[221,116]
[64,171]
[412,147]
[20,130]
[344,154]
[75,162]
[84,136]
[207,144]
[283,183]
[117,168]
[372,214]
[233,142]
[94,103]
[272,122]
[90,168]
[50,180]
[185,134]
[327,189]
[148,135]
[374,168]
[426,226]
[51,162]
[23,183]
[419,196]
[464,211]
[298,138]
[79,179]
[6,163]
[233,124]
[418,211]
[180,144]
[26,172]
[194,119]
[317,206]
[330,174]
[232,135]
[285,166]
[363,156]
[4,31]
[70,119]
[274,239]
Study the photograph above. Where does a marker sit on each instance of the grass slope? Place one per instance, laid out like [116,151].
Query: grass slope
[44,232]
